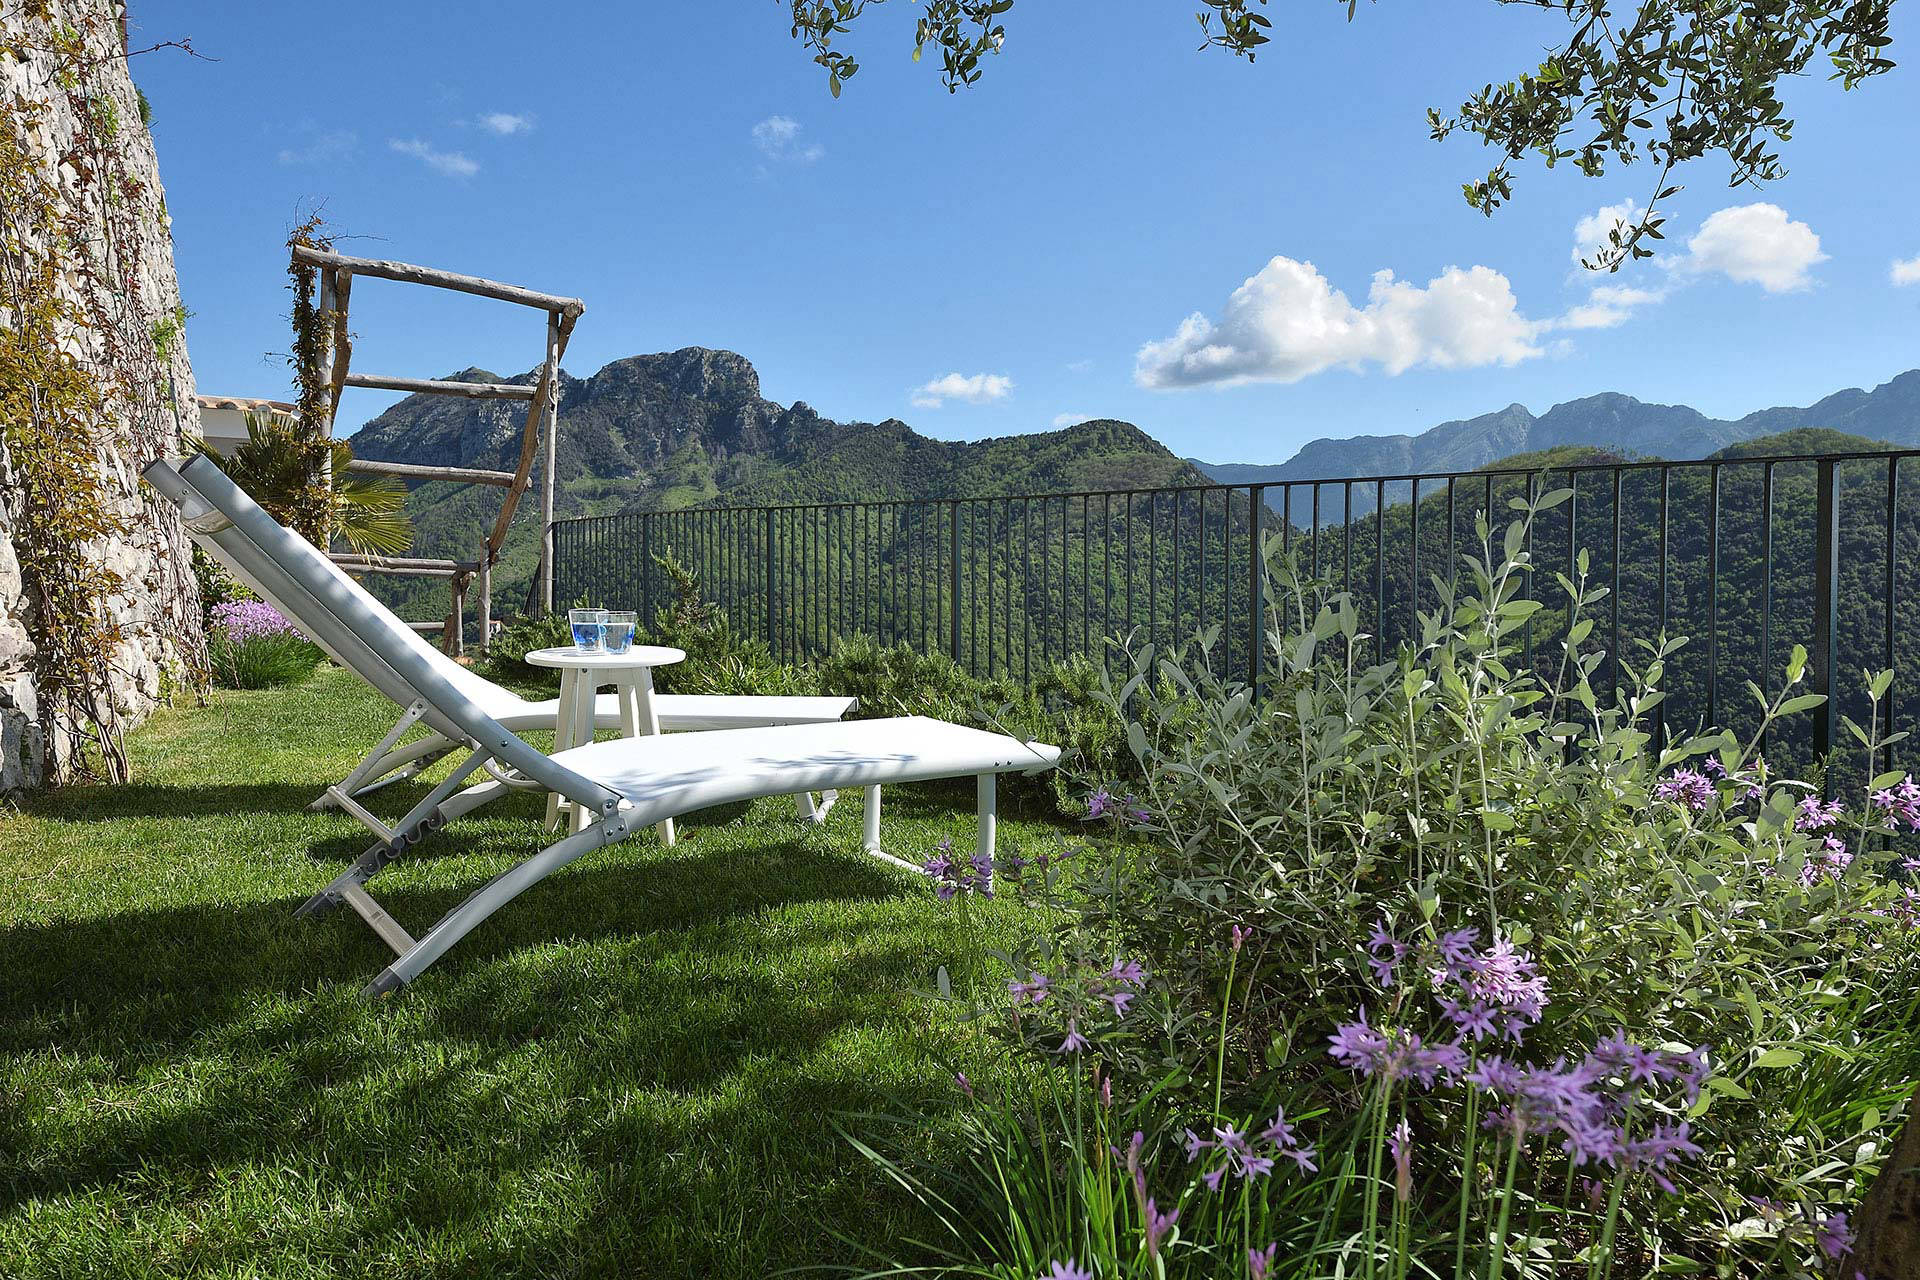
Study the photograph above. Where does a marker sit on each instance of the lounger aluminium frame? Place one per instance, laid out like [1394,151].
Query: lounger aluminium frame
[392,760]
[627,785]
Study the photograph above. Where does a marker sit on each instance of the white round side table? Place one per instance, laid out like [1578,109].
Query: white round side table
[582,675]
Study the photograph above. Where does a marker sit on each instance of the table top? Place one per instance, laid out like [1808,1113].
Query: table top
[639,655]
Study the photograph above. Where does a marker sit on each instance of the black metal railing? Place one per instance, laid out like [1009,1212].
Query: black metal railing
[1747,556]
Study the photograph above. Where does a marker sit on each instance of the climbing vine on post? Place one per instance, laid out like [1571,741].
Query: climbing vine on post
[308,505]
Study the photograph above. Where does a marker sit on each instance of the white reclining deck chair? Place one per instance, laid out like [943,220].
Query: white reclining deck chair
[393,761]
[627,785]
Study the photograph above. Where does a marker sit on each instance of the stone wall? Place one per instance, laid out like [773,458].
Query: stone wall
[75,113]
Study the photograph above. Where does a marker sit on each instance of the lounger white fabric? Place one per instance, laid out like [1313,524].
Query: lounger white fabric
[392,760]
[628,784]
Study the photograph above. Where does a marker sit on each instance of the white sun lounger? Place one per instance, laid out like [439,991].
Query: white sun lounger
[392,760]
[626,785]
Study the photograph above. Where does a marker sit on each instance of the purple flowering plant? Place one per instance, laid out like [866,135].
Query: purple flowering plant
[251,645]
[1454,965]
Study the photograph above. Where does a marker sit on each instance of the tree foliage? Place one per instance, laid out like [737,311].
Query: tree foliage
[1660,81]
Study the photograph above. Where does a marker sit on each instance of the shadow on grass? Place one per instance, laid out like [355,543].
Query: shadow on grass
[632,1066]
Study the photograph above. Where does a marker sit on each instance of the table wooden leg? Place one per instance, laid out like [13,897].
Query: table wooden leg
[638,717]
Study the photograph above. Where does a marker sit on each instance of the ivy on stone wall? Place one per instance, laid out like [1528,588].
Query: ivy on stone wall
[84,378]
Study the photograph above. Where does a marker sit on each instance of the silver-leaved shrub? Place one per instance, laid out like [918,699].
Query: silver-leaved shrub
[1423,962]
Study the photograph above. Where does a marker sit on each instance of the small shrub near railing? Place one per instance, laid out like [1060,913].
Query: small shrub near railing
[250,645]
[1426,967]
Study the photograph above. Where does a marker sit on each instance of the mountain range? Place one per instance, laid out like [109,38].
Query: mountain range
[1611,421]
[690,428]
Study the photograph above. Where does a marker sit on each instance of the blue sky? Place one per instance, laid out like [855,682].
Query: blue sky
[1070,237]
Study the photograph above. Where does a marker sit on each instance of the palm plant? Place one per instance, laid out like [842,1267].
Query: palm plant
[305,484]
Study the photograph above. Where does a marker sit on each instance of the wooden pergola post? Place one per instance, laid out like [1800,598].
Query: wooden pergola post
[539,438]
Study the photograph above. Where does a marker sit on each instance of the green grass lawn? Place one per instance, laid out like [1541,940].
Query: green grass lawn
[636,1069]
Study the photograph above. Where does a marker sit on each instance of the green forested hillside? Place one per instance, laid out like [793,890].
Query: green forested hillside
[688,429]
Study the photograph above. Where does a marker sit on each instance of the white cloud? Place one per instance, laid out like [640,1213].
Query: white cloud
[978,388]
[1593,233]
[1906,270]
[1079,366]
[454,164]
[1288,322]
[778,138]
[1754,244]
[505,123]
[321,148]
[1072,419]
[1607,306]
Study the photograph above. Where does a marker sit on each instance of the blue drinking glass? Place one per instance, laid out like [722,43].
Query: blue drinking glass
[587,626]
[617,635]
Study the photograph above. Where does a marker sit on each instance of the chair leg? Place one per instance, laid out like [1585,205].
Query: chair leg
[420,819]
[811,810]
[489,898]
[986,808]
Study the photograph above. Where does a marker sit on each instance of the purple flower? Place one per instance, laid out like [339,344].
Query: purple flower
[1240,936]
[244,620]
[1129,973]
[966,1085]
[1119,1000]
[1812,815]
[1032,991]
[1505,979]
[1158,1224]
[1400,1144]
[1835,1235]
[1074,1042]
[1260,1261]
[1456,949]
[1712,767]
[1474,1018]
[1242,1158]
[983,874]
[1384,954]
[1068,1270]
[1397,1054]
[1100,803]
[1359,1046]
[1660,1149]
[1899,804]
[1688,788]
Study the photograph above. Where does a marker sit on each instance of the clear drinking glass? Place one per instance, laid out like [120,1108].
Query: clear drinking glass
[618,635]
[587,626]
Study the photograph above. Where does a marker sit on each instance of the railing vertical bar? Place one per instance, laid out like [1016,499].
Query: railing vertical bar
[1826,580]
[1533,592]
[1413,595]
[1316,529]
[1713,595]
[1613,649]
[1086,579]
[1379,567]
[1346,538]
[1153,568]
[1893,540]
[1766,588]
[1256,595]
[1666,496]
